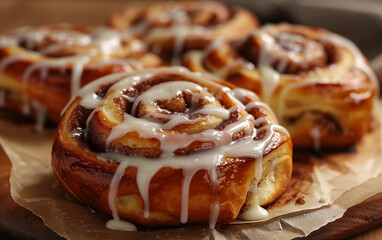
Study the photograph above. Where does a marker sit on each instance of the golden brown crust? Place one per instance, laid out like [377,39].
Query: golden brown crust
[87,178]
[200,23]
[318,83]
[44,71]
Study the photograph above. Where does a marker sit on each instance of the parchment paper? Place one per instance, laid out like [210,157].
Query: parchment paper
[339,180]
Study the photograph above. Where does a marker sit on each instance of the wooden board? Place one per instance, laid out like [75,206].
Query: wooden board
[18,222]
[357,219]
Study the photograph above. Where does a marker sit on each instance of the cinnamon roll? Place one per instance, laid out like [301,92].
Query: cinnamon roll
[171,28]
[319,85]
[41,67]
[166,146]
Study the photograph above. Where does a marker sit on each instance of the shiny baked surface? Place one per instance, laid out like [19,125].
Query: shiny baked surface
[41,67]
[167,146]
[318,83]
[171,28]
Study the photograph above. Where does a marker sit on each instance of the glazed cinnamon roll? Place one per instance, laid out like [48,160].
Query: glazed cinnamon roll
[166,146]
[171,28]
[41,67]
[319,85]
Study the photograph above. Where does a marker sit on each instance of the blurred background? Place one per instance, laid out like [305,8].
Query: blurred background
[359,20]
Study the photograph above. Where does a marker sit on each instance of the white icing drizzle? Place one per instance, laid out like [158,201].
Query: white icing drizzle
[286,90]
[237,63]
[77,69]
[108,40]
[172,142]
[203,160]
[316,136]
[77,63]
[121,225]
[256,212]
[144,166]
[88,121]
[180,34]
[322,199]
[270,77]
[197,56]
[180,37]
[135,30]
[90,99]
[360,61]
[222,72]
[7,41]
[144,176]
[171,90]
[272,172]
[188,174]
[178,119]
[208,160]
[166,90]
[270,80]
[114,188]
[40,115]
[217,43]
[217,235]
[180,30]
[253,104]
[215,207]
[119,61]
[3,65]
[101,41]
[241,94]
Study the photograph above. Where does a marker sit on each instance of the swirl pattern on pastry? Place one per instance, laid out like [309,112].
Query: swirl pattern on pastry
[166,146]
[41,67]
[319,85]
[173,27]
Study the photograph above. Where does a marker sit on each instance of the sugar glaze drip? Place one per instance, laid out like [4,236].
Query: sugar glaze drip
[207,160]
[180,29]
[271,68]
[220,74]
[179,32]
[121,225]
[272,76]
[116,223]
[3,65]
[102,41]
